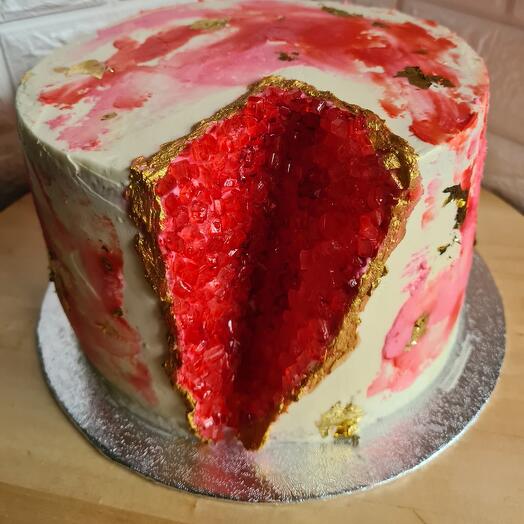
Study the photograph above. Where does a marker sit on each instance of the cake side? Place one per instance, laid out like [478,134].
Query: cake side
[91,179]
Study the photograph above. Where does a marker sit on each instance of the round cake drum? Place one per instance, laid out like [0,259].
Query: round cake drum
[284,471]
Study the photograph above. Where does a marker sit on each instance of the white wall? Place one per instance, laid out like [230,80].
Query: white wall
[29,29]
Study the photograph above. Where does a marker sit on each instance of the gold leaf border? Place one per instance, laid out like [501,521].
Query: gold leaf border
[146,212]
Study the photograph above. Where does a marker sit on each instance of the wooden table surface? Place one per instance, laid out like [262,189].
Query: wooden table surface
[50,474]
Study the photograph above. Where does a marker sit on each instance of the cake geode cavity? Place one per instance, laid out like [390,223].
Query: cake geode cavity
[263,232]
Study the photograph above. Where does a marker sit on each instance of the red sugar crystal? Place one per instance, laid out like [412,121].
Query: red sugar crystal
[271,217]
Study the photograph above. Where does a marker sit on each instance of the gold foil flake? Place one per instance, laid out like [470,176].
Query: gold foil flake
[418,78]
[118,312]
[341,422]
[391,161]
[209,24]
[339,12]
[397,180]
[421,51]
[377,23]
[145,210]
[109,116]
[419,330]
[286,57]
[391,145]
[442,249]
[87,67]
[460,197]
[375,282]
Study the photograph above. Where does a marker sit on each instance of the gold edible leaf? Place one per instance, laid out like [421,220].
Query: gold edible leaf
[87,67]
[460,197]
[339,12]
[419,330]
[391,161]
[418,78]
[341,421]
[377,23]
[109,116]
[374,283]
[443,249]
[209,24]
[286,57]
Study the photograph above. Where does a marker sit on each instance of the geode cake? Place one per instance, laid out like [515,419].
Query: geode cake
[260,215]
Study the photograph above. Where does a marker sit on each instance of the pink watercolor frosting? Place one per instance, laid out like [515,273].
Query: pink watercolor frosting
[173,64]
[95,311]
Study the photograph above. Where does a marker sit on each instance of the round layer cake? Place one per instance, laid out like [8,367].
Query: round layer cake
[260,215]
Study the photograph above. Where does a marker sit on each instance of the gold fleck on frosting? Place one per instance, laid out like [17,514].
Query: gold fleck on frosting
[442,249]
[287,57]
[391,161]
[418,78]
[460,197]
[109,116]
[342,422]
[419,330]
[87,67]
[209,24]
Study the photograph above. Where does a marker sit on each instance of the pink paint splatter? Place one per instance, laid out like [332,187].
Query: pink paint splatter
[58,121]
[441,298]
[418,267]
[161,71]
[430,201]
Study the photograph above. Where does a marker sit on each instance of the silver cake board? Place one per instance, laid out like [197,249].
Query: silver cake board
[284,471]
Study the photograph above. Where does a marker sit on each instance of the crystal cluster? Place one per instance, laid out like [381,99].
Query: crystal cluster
[270,219]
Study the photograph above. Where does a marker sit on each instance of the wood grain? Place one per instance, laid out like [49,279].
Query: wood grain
[50,474]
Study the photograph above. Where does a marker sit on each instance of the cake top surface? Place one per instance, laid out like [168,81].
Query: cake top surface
[149,79]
